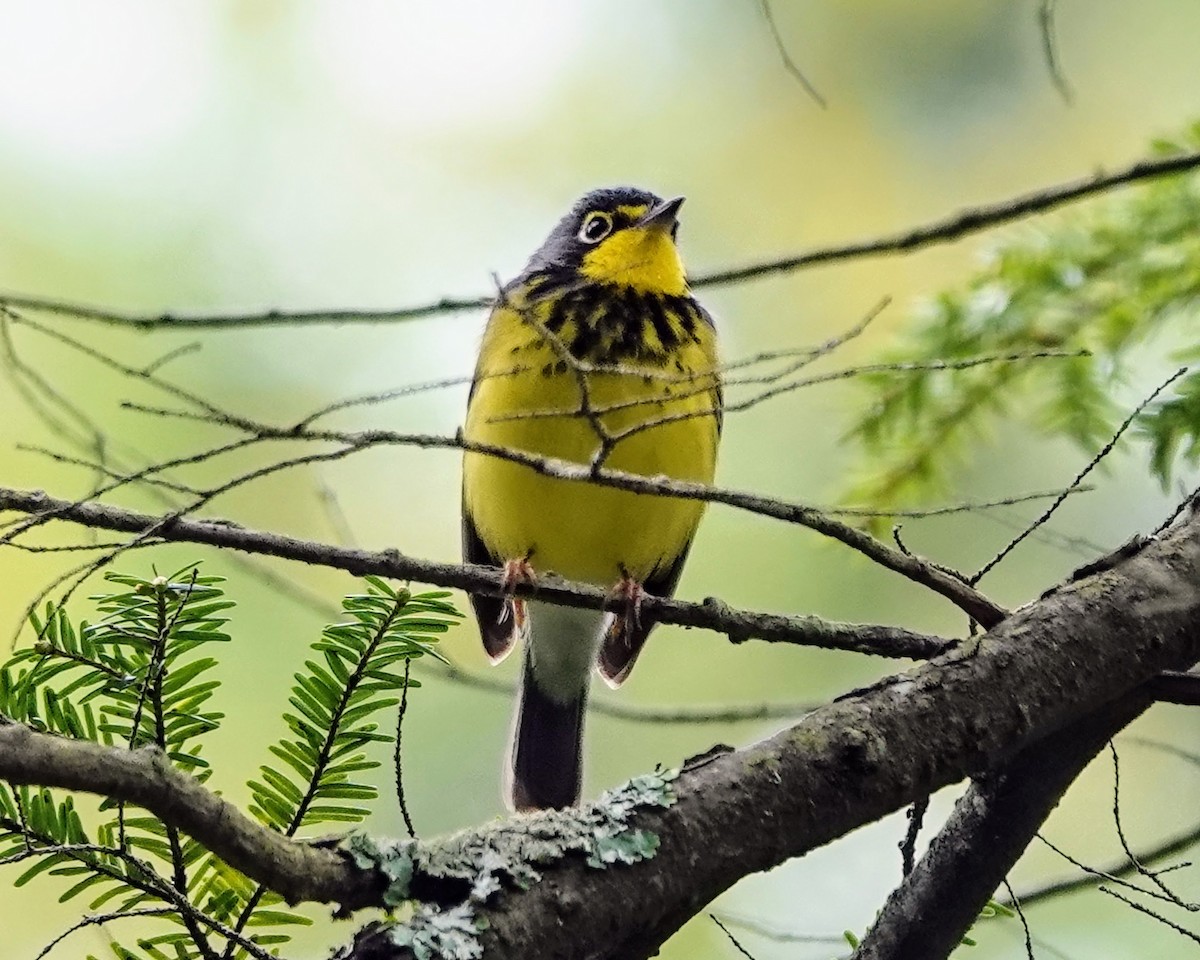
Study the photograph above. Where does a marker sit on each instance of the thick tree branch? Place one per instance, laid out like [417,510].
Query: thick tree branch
[1051,664]
[1057,660]
[1175,687]
[712,614]
[297,871]
[927,916]
[945,230]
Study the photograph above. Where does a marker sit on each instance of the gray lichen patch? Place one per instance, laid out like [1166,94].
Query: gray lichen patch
[510,851]
[435,934]
[513,848]
[393,858]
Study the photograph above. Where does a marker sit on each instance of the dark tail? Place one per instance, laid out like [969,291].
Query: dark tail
[546,748]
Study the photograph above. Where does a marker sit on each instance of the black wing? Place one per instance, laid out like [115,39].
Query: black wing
[624,640]
[497,624]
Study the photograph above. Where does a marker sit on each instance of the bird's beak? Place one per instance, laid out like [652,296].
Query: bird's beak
[662,216]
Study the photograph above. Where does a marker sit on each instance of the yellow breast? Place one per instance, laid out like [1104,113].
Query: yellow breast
[580,530]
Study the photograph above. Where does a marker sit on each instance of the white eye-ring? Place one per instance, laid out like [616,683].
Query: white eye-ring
[596,226]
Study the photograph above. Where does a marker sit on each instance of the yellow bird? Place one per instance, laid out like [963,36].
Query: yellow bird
[596,353]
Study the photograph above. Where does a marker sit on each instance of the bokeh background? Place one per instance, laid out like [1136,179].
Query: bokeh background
[237,155]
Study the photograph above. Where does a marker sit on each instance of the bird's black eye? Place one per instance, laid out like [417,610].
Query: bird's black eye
[596,226]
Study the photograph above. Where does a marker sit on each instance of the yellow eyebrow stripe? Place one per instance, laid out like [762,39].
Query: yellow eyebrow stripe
[633,212]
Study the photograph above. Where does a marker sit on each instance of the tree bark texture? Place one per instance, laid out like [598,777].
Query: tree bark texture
[1056,661]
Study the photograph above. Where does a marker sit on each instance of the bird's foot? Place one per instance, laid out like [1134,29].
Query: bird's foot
[517,572]
[630,592]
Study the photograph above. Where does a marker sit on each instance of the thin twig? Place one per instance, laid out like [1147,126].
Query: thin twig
[397,753]
[1092,464]
[1016,904]
[967,506]
[1108,876]
[1168,748]
[945,230]
[788,63]
[1073,544]
[1046,24]
[776,934]
[732,939]
[99,919]
[153,365]
[809,355]
[336,515]
[1151,875]
[1141,908]
[833,376]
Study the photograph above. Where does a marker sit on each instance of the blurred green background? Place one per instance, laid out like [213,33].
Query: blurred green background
[239,155]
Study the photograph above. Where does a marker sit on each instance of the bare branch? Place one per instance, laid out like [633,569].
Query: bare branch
[712,614]
[1079,478]
[619,710]
[297,871]
[1141,908]
[930,912]
[1176,687]
[967,506]
[960,224]
[269,318]
[945,230]
[1046,25]
[953,587]
[791,67]
[1090,878]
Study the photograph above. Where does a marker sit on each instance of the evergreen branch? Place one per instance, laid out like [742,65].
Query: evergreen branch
[335,711]
[944,230]
[152,691]
[1107,281]
[141,876]
[99,919]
